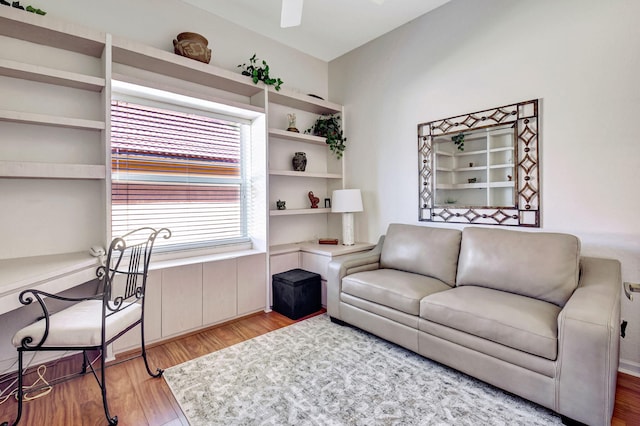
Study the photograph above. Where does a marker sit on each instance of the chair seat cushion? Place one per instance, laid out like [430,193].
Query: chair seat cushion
[516,321]
[79,325]
[389,287]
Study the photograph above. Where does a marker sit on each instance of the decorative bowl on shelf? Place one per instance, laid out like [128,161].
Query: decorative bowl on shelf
[193,46]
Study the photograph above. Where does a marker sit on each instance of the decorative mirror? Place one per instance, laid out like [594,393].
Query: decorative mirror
[481,167]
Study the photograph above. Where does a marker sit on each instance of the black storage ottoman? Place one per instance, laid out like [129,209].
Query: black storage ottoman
[296,293]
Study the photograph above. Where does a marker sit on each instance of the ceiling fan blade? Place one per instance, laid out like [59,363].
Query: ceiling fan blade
[291,15]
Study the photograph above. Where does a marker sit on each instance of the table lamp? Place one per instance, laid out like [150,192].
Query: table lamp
[347,201]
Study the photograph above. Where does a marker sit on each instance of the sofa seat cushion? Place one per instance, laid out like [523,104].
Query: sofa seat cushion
[389,287]
[516,321]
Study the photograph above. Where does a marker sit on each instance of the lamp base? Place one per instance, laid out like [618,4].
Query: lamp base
[347,229]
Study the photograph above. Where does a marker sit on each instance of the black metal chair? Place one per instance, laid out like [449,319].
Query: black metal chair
[92,323]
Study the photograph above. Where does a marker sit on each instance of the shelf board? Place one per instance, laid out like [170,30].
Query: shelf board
[501,149]
[479,185]
[169,64]
[50,31]
[501,166]
[50,76]
[505,184]
[305,174]
[186,92]
[297,137]
[467,153]
[293,212]
[470,169]
[50,120]
[481,134]
[444,153]
[27,169]
[462,185]
[301,101]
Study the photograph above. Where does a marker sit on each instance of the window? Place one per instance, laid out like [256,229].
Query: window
[181,169]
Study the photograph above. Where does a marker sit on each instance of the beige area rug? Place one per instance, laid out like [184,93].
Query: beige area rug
[319,373]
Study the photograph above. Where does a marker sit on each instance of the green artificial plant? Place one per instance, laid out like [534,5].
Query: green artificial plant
[260,73]
[459,141]
[328,126]
[29,8]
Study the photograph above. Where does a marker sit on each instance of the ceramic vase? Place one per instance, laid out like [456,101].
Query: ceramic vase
[299,162]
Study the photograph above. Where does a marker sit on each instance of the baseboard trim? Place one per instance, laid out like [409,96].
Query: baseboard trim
[629,367]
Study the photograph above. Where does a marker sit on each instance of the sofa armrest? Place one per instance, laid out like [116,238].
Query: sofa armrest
[339,268]
[588,344]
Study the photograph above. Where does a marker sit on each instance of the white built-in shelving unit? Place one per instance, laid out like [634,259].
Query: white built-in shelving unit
[56,79]
[481,175]
[324,172]
[53,123]
[293,232]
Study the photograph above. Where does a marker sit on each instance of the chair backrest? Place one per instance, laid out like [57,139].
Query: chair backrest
[124,274]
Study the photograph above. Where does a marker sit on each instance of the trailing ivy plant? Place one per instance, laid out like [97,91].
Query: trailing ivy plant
[260,73]
[29,8]
[328,126]
[459,141]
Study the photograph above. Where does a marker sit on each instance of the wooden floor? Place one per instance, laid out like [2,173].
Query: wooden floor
[140,400]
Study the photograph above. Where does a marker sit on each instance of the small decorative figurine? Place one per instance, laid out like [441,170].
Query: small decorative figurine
[292,123]
[280,205]
[472,180]
[509,177]
[314,200]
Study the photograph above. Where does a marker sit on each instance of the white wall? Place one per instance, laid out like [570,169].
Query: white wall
[157,22]
[580,57]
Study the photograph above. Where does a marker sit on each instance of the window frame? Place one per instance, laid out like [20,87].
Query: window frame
[246,118]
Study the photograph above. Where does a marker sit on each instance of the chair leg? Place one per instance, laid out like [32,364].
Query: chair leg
[159,371]
[85,362]
[20,392]
[103,387]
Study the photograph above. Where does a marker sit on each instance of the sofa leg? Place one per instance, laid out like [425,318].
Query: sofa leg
[337,321]
[570,422]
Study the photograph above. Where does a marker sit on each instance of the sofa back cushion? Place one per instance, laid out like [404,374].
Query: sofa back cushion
[541,265]
[422,250]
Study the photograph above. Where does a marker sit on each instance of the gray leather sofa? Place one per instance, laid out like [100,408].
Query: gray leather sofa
[520,310]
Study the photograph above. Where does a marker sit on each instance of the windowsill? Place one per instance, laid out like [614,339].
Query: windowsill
[163,262]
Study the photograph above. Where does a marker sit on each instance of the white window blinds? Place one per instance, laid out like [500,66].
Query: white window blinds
[177,170]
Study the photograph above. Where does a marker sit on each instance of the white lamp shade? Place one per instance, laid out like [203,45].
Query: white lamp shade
[346,201]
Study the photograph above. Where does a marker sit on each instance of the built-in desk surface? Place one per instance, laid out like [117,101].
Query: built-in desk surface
[53,274]
[328,250]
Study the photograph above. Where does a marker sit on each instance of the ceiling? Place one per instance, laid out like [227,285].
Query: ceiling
[329,29]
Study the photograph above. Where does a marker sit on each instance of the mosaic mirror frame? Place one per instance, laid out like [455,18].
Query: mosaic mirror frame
[516,173]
